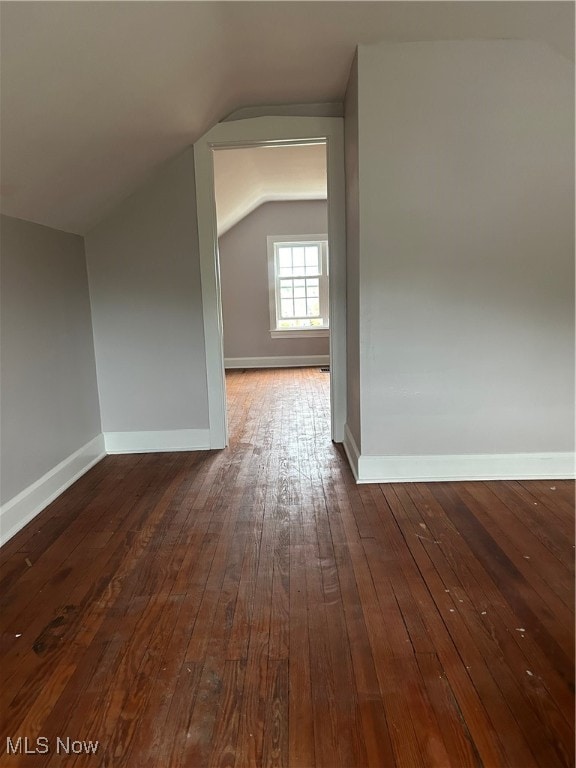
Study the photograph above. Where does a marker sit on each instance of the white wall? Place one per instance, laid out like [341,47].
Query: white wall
[244,279]
[144,278]
[48,378]
[467,245]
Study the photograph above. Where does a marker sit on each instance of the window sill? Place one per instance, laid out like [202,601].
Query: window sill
[295,333]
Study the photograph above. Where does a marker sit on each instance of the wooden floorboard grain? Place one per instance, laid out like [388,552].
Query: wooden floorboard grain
[254,607]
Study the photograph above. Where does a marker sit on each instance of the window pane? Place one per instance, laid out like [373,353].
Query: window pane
[312,288]
[300,293]
[285,257]
[286,290]
[287,308]
[312,256]
[313,307]
[299,283]
[298,257]
[300,307]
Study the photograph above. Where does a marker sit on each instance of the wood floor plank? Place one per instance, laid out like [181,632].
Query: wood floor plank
[458,741]
[481,721]
[560,501]
[559,540]
[478,597]
[555,638]
[534,561]
[467,621]
[255,607]
[556,509]
[225,736]
[301,749]
[324,708]
[495,656]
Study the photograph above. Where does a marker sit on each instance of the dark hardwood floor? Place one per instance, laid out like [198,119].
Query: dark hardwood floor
[255,607]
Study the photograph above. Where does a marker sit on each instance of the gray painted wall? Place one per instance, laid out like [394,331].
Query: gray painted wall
[351,151]
[244,277]
[144,273]
[467,248]
[48,376]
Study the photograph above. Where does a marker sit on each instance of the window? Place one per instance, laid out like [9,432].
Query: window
[298,276]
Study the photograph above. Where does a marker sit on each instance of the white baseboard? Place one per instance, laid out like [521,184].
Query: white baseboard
[279,361]
[351,450]
[17,512]
[157,441]
[413,469]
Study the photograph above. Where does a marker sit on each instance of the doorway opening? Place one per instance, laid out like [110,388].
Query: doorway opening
[266,134]
[274,256]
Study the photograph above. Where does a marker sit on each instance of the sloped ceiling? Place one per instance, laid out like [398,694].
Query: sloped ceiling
[95,95]
[246,178]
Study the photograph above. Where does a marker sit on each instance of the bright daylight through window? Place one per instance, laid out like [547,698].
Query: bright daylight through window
[298,272]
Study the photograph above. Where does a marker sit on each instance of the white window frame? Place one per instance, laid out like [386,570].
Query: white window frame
[273,280]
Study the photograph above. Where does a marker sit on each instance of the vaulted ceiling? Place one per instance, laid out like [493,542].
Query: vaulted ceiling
[96,95]
[245,178]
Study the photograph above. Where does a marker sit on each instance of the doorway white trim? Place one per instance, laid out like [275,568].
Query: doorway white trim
[258,131]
